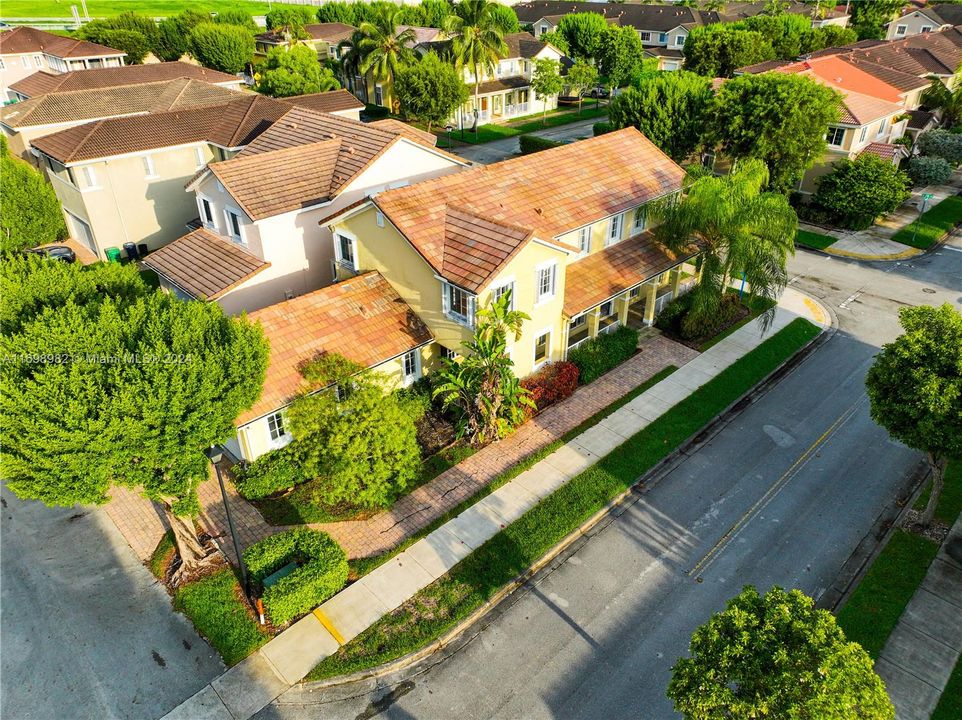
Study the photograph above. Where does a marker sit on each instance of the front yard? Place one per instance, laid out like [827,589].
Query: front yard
[532,123]
[933,225]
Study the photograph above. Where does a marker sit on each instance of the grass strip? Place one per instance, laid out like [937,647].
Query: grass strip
[950,704]
[441,605]
[215,607]
[950,503]
[162,555]
[814,239]
[932,226]
[491,132]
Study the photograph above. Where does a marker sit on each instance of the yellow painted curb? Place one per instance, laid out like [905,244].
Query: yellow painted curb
[329,626]
[905,254]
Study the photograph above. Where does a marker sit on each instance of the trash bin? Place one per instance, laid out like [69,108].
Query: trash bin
[142,249]
[113,254]
[131,250]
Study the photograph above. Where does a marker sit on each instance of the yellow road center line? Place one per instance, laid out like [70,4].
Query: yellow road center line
[773,490]
[329,626]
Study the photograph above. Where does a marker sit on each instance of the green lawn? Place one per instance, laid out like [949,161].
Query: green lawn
[487,133]
[162,555]
[924,232]
[215,607]
[104,8]
[872,611]
[950,704]
[950,504]
[814,239]
[440,606]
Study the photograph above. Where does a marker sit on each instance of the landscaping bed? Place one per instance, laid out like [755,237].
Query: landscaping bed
[933,225]
[735,312]
[441,605]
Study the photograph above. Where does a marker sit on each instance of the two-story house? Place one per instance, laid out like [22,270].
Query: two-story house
[324,38]
[918,20]
[26,50]
[260,242]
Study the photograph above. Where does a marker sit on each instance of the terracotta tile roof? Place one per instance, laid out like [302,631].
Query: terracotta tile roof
[43,82]
[935,52]
[408,131]
[602,275]
[557,192]
[205,264]
[886,151]
[332,33]
[333,101]
[423,34]
[23,39]
[229,125]
[80,105]
[475,248]
[762,67]
[363,319]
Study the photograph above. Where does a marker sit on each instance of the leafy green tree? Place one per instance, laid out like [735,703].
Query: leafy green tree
[173,33]
[719,50]
[504,17]
[477,40]
[430,90]
[290,19]
[786,33]
[30,212]
[584,34]
[925,171]
[858,191]
[337,12]
[581,77]
[622,54]
[744,232]
[831,36]
[227,48]
[135,44]
[778,118]
[915,389]
[294,70]
[868,18]
[359,440]
[236,16]
[943,144]
[135,34]
[482,387]
[129,392]
[434,12]
[672,109]
[546,82]
[776,656]
[556,40]
[949,102]
[383,49]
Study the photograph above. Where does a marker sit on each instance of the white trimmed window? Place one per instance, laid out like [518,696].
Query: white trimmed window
[645,36]
[25,61]
[344,251]
[90,177]
[457,304]
[206,213]
[584,240]
[275,427]
[150,171]
[448,354]
[233,225]
[379,218]
[378,95]
[835,136]
[883,126]
[640,218]
[545,282]
[499,292]
[37,61]
[926,28]
[680,40]
[861,137]
[542,348]
[900,30]
[199,159]
[606,309]
[615,226]
[663,37]
[410,367]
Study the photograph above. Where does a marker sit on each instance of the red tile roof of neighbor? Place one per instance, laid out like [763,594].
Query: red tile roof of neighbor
[467,225]
[24,39]
[332,101]
[329,32]
[886,151]
[363,319]
[43,82]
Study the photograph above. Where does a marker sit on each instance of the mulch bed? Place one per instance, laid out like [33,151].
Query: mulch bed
[936,532]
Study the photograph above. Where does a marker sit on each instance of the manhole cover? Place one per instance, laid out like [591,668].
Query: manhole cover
[930,291]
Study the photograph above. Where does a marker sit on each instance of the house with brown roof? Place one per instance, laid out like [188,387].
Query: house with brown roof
[363,318]
[919,20]
[121,179]
[324,38]
[567,235]
[260,242]
[26,50]
[337,102]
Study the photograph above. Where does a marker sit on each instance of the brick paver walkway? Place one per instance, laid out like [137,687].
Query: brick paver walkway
[380,533]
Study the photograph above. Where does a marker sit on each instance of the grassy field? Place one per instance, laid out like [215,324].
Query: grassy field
[105,8]
[933,225]
[814,240]
[441,605]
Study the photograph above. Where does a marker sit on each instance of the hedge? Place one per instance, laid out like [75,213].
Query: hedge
[270,473]
[322,571]
[601,354]
[600,128]
[554,382]
[533,143]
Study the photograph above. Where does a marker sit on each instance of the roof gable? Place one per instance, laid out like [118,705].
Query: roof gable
[25,39]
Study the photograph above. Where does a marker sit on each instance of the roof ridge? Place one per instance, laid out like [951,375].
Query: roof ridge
[93,127]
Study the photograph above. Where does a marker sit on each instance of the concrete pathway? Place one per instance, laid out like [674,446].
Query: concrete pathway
[497,150]
[253,683]
[922,650]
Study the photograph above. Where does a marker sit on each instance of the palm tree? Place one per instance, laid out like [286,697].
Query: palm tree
[743,232]
[349,52]
[939,97]
[477,39]
[382,48]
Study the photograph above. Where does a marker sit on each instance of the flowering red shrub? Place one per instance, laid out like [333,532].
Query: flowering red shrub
[554,382]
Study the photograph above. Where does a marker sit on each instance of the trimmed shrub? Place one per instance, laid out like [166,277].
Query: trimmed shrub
[375,112]
[321,572]
[227,48]
[926,171]
[270,473]
[601,354]
[554,382]
[858,191]
[533,143]
[600,128]
[941,143]
[30,213]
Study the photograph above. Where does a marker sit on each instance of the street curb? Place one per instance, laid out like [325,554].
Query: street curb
[910,254]
[455,639]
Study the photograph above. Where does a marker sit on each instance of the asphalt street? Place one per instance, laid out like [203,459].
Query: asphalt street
[87,632]
[509,147]
[781,496]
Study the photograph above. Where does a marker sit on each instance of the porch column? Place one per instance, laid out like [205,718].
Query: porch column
[623,303]
[675,280]
[651,294]
[592,323]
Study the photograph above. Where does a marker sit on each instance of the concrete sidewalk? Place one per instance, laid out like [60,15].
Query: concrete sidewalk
[256,681]
[921,652]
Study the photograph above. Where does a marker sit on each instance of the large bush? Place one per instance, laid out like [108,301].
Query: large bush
[926,171]
[552,383]
[294,71]
[227,48]
[943,144]
[675,318]
[135,34]
[601,354]
[321,572]
[858,191]
[532,144]
[29,212]
[270,473]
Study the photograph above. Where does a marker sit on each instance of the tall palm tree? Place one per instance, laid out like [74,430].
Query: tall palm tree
[349,52]
[939,97]
[744,233]
[383,49]
[477,40]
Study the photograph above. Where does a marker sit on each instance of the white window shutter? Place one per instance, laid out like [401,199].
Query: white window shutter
[472,302]
[445,298]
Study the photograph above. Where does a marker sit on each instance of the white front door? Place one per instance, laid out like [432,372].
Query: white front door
[80,230]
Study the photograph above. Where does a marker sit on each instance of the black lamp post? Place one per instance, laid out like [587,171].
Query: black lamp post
[215,454]
[448,128]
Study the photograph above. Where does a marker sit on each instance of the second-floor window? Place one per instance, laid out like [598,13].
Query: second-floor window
[584,240]
[149,170]
[233,226]
[199,160]
[901,30]
[545,277]
[502,290]
[645,36]
[89,176]
[835,136]
[378,95]
[883,126]
[206,213]
[680,40]
[861,135]
[663,37]
[640,218]
[344,251]
[457,304]
[614,229]
[926,28]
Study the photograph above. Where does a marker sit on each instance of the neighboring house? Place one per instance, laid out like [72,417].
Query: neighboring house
[122,179]
[41,83]
[566,232]
[924,20]
[45,114]
[380,91]
[336,102]
[25,50]
[363,319]
[261,243]
[323,37]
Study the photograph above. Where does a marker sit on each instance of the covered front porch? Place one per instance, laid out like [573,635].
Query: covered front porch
[625,284]
[500,99]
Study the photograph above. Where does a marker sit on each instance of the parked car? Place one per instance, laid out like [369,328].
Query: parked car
[599,91]
[56,252]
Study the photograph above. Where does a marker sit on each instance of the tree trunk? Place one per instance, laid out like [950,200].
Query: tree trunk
[192,553]
[937,465]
